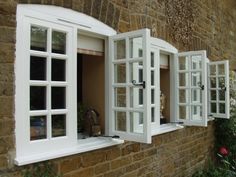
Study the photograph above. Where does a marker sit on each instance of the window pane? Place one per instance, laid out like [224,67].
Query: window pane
[213,82]
[222,108]
[183,63]
[135,118]
[213,70]
[213,94]
[58,125]
[196,113]
[38,68]
[183,112]
[58,70]
[120,121]
[183,96]
[221,95]
[196,95]
[140,75]
[37,98]
[58,42]
[120,97]
[153,114]
[136,97]
[58,97]
[152,78]
[196,79]
[152,59]
[152,96]
[183,79]
[221,82]
[120,73]
[120,48]
[38,40]
[196,62]
[136,71]
[213,107]
[38,127]
[221,69]
[136,45]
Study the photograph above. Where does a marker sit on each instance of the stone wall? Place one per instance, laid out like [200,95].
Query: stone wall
[188,25]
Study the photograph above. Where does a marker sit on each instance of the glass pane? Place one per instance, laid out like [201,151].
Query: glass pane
[136,97]
[38,127]
[196,95]
[196,112]
[120,121]
[120,49]
[120,73]
[58,70]
[221,95]
[183,96]
[221,82]
[136,71]
[213,107]
[58,97]
[196,79]
[183,79]
[222,108]
[196,62]
[213,70]
[212,82]
[213,94]
[37,98]
[183,63]
[183,112]
[152,78]
[221,69]
[136,45]
[120,97]
[152,96]
[152,59]
[58,42]
[38,68]
[153,114]
[135,118]
[38,40]
[58,125]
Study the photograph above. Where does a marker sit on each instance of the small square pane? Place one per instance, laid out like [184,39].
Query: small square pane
[183,79]
[213,95]
[196,95]
[212,82]
[136,71]
[38,127]
[58,125]
[120,97]
[196,62]
[183,63]
[183,96]
[120,48]
[221,95]
[37,98]
[221,82]
[183,114]
[38,38]
[135,118]
[58,97]
[196,79]
[222,108]
[213,107]
[221,69]
[152,59]
[38,68]
[213,70]
[58,70]
[153,114]
[120,121]
[58,42]
[136,97]
[136,45]
[120,73]
[196,112]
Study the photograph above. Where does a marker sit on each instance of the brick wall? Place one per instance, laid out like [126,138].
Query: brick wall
[188,25]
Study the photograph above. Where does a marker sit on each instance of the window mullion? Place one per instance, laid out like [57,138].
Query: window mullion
[217,90]
[127,83]
[189,87]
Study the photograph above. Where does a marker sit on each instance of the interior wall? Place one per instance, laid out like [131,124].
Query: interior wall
[93,85]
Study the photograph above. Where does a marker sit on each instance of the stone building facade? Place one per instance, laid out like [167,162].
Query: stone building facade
[188,25]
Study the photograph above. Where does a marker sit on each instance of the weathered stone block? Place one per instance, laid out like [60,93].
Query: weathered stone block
[102,168]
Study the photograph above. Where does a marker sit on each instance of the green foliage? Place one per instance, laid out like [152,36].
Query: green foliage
[41,170]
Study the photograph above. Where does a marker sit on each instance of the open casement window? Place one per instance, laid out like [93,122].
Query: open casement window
[218,85]
[130,86]
[191,88]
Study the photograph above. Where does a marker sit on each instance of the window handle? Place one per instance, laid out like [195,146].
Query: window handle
[201,86]
[143,84]
[223,88]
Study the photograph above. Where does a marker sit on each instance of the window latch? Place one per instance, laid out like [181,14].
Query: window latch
[201,86]
[223,88]
[143,84]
